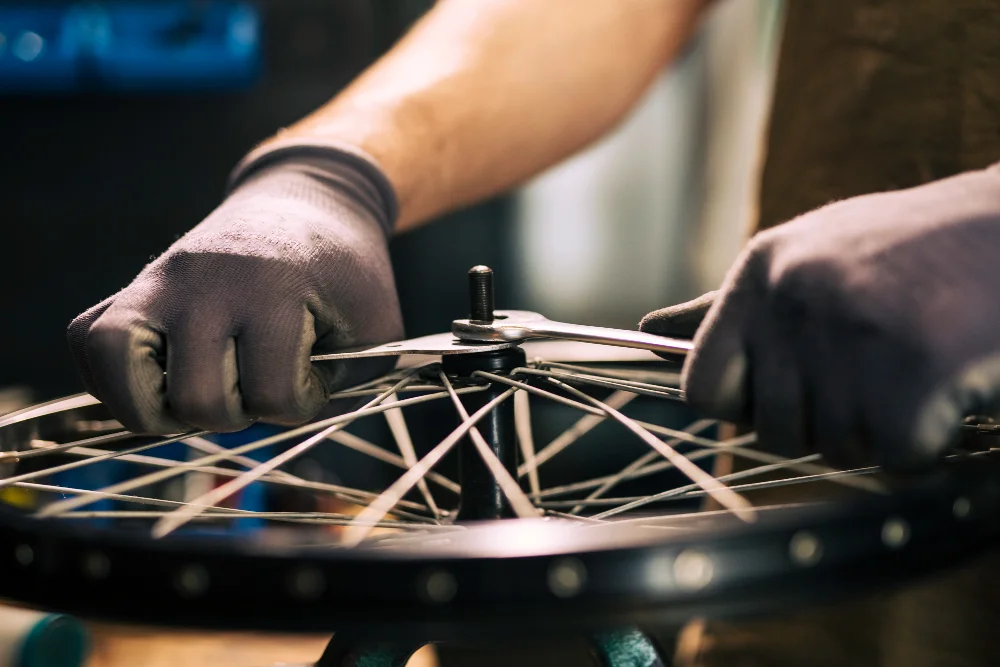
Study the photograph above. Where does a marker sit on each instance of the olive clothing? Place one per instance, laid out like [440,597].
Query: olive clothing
[876,95]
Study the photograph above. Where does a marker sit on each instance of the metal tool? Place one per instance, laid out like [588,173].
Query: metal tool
[433,345]
[515,326]
[487,330]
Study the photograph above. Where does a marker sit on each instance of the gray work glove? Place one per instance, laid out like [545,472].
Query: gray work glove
[294,262]
[865,329]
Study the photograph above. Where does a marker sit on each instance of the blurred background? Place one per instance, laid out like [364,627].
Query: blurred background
[121,121]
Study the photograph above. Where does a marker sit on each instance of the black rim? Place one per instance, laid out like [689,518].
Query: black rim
[536,575]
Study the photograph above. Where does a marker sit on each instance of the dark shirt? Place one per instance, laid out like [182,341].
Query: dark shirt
[875,95]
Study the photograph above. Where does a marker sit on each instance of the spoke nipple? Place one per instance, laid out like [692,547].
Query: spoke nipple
[567,577]
[481,294]
[24,554]
[805,548]
[191,581]
[96,565]
[962,507]
[439,587]
[307,584]
[693,570]
[895,533]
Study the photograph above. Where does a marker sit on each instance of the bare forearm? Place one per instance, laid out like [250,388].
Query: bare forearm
[482,94]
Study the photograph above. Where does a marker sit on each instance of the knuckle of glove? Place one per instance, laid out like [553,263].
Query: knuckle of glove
[286,404]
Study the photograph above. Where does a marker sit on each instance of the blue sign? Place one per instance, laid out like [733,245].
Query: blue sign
[129,46]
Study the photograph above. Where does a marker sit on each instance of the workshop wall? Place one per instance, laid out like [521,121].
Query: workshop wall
[94,184]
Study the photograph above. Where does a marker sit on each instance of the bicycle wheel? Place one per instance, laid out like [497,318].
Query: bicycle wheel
[547,487]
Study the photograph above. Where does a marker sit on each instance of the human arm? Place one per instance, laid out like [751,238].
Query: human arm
[217,332]
[481,95]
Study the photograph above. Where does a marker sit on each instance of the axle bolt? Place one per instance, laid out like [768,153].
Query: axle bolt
[481,294]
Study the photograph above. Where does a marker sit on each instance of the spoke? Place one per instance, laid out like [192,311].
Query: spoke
[352,441]
[358,393]
[655,428]
[14,457]
[697,516]
[734,445]
[140,500]
[208,447]
[76,503]
[401,434]
[515,496]
[572,517]
[650,469]
[384,503]
[28,476]
[320,518]
[352,495]
[380,383]
[718,491]
[626,385]
[525,438]
[583,426]
[661,379]
[182,515]
[141,459]
[832,476]
[694,489]
[642,462]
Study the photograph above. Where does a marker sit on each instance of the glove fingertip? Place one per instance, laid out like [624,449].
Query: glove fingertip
[76,334]
[681,320]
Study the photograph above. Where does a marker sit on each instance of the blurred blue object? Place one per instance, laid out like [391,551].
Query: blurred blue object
[129,46]
[37,52]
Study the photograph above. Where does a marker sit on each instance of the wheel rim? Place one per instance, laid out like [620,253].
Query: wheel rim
[596,554]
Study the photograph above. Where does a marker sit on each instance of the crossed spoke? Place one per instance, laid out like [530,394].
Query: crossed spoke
[416,503]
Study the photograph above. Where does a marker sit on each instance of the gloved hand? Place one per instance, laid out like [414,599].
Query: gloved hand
[865,329]
[294,262]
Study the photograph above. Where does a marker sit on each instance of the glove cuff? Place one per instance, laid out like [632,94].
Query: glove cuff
[371,185]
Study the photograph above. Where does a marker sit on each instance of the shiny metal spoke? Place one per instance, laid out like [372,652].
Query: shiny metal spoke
[406,515]
[72,465]
[372,391]
[572,517]
[526,439]
[659,466]
[519,502]
[182,515]
[76,503]
[622,385]
[658,378]
[737,447]
[692,491]
[582,426]
[832,476]
[361,445]
[718,491]
[642,462]
[208,447]
[391,496]
[21,455]
[683,490]
[318,518]
[140,459]
[226,512]
[401,434]
[589,409]
[352,495]
[100,495]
